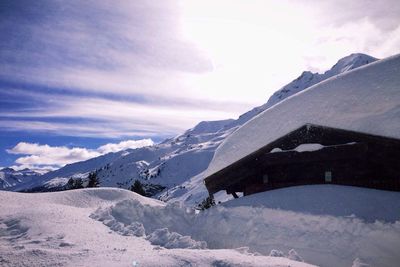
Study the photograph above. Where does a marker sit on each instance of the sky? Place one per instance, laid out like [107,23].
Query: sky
[82,78]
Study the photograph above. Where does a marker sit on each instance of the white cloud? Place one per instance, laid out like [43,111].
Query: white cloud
[47,155]
[132,144]
[40,157]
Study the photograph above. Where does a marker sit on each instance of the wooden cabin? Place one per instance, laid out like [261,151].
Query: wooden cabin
[344,158]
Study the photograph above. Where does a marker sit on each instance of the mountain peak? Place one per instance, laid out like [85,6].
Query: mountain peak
[7,169]
[307,78]
[350,62]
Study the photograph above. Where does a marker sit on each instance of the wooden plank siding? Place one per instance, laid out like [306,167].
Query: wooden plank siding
[351,158]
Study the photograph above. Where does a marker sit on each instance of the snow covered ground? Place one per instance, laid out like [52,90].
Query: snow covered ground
[323,225]
[62,229]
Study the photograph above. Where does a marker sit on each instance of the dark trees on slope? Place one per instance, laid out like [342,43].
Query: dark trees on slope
[93,180]
[76,183]
[206,203]
[137,187]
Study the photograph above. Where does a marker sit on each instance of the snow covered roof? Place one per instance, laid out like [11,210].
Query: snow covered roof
[366,99]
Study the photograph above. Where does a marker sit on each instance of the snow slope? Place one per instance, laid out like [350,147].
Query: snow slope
[63,229]
[366,99]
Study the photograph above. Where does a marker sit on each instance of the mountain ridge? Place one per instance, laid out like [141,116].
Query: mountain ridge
[307,79]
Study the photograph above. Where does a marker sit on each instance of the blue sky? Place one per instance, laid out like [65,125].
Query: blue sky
[83,74]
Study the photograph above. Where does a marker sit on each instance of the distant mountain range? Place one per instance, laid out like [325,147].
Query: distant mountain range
[176,164]
[10,178]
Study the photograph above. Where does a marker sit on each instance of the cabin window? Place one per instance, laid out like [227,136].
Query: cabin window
[328,176]
[265,178]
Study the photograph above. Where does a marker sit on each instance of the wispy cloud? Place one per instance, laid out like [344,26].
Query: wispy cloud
[122,46]
[83,129]
[99,116]
[117,64]
[41,157]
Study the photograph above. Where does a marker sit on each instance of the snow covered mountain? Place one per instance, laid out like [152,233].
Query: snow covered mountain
[178,163]
[11,178]
[307,79]
[165,165]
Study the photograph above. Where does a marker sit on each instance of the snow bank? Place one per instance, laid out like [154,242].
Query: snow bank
[128,217]
[292,254]
[163,237]
[326,225]
[365,100]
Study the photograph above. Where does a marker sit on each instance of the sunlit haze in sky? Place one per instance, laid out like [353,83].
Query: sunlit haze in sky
[93,73]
